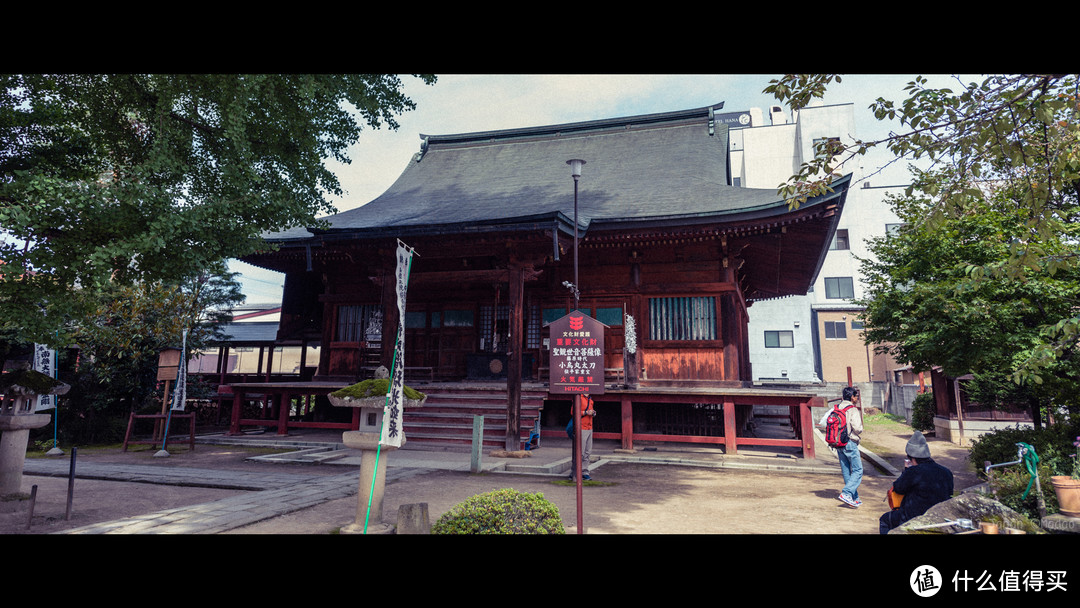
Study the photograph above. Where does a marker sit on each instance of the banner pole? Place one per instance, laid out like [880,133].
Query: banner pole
[389,387]
[179,396]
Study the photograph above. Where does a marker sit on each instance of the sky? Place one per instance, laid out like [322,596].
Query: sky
[464,103]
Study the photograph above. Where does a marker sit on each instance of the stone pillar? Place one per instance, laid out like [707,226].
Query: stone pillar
[14,434]
[372,486]
[20,389]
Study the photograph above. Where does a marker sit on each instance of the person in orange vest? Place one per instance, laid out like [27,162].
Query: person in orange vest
[586,436]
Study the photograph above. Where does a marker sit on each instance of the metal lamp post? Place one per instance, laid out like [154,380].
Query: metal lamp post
[575,170]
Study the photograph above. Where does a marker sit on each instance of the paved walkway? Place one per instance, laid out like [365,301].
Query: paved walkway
[269,495]
[274,494]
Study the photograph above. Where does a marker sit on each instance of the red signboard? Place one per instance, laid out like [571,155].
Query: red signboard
[577,355]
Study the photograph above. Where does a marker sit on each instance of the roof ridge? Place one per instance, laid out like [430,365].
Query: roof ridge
[572,127]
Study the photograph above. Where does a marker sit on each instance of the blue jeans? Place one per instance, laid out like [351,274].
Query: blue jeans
[851,468]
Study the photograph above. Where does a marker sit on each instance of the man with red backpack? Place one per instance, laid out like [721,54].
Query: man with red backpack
[843,425]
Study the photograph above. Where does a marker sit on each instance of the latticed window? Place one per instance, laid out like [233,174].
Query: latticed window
[688,318]
[532,328]
[357,323]
[495,327]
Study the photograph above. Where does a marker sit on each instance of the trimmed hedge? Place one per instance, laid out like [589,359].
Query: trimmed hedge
[504,511]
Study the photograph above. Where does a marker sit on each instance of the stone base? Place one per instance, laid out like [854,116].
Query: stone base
[379,528]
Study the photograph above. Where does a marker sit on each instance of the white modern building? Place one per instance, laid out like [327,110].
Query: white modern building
[814,338]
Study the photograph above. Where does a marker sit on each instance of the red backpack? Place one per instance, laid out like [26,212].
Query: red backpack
[836,429]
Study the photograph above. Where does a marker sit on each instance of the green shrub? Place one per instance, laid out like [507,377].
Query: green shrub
[1009,485]
[1052,444]
[922,412]
[504,511]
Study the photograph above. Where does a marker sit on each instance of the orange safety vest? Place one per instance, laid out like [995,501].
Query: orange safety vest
[586,405]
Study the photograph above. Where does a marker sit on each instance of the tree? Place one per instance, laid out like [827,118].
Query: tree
[922,306]
[1016,134]
[127,179]
[120,343]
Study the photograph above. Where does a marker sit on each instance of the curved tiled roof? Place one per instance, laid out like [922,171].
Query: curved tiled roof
[651,168]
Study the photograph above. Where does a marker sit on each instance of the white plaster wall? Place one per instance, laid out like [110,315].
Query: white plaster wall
[782,314]
[767,158]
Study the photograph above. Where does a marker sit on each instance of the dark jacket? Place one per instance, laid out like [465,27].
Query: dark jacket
[923,486]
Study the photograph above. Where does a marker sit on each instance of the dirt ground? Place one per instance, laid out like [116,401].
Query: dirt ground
[661,499]
[630,498]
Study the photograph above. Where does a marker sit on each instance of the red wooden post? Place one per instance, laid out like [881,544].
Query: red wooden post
[237,400]
[806,428]
[627,422]
[729,426]
[283,413]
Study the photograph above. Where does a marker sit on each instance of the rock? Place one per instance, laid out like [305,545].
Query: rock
[506,454]
[413,519]
[969,505]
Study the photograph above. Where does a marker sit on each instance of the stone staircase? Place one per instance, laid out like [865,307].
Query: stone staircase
[446,420]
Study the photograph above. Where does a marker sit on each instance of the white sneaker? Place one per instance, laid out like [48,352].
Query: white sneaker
[847,500]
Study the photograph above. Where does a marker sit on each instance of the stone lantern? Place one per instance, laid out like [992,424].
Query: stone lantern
[20,389]
[373,457]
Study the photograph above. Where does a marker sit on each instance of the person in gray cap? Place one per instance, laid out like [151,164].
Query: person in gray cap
[923,484]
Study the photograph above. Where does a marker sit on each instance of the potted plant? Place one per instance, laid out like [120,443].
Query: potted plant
[1067,487]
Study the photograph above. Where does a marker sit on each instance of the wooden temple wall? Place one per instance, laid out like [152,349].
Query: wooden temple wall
[642,280]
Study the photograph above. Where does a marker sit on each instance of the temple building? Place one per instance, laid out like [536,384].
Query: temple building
[655,237]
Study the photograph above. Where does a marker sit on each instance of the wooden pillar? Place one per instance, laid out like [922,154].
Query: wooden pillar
[729,427]
[329,323]
[729,331]
[806,427]
[283,413]
[730,325]
[269,361]
[513,370]
[627,422]
[237,402]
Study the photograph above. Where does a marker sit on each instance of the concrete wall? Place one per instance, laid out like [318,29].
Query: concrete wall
[945,428]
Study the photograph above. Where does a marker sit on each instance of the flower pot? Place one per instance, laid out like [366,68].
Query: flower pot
[1067,490]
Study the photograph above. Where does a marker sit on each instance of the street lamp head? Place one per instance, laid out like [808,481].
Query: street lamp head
[575,167]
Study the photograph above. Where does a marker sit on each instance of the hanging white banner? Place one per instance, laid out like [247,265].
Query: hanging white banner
[45,362]
[392,431]
[180,394]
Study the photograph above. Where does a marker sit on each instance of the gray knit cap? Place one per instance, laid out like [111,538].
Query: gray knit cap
[916,446]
